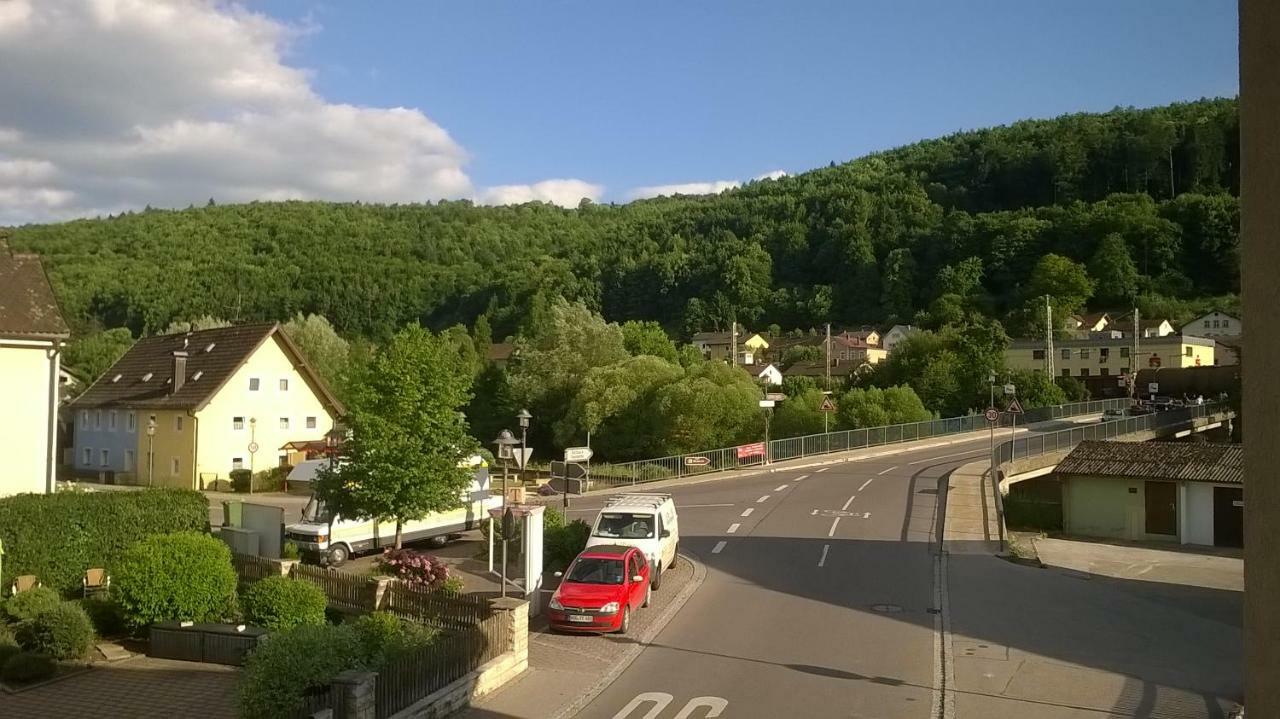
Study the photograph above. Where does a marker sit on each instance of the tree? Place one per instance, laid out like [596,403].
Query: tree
[713,405]
[324,350]
[206,322]
[1114,270]
[899,284]
[800,414]
[91,355]
[409,440]
[875,407]
[801,353]
[615,407]
[648,338]
[1037,389]
[1065,281]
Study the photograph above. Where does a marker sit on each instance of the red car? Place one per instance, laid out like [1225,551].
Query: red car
[600,590]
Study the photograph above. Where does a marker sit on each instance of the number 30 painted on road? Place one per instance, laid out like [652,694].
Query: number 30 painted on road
[715,706]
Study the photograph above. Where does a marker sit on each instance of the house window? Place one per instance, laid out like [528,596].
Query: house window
[311,422]
[1105,372]
[104,458]
[237,423]
[177,422]
[1206,324]
[284,385]
[1084,354]
[1104,354]
[131,421]
[237,463]
[128,460]
[173,466]
[1215,324]
[1226,324]
[1066,354]
[253,384]
[84,419]
[86,456]
[1186,351]
[1066,372]
[1124,352]
[111,420]
[284,423]
[1084,372]
[97,419]
[1037,354]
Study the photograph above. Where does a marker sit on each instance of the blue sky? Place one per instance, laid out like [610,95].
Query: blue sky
[641,94]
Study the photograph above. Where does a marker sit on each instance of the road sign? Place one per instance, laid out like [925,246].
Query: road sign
[1153,387]
[767,403]
[1010,389]
[577,454]
[992,414]
[1154,361]
[827,405]
[568,470]
[751,450]
[1123,382]
[697,461]
[775,396]
[253,448]
[521,456]
[1015,407]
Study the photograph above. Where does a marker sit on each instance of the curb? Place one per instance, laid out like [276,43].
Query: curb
[632,652]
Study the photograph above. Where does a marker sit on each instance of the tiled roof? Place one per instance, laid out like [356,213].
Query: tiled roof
[816,368]
[1196,462]
[501,351]
[715,338]
[143,377]
[27,304]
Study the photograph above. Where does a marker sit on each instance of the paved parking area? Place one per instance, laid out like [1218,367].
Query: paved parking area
[131,689]
[1196,567]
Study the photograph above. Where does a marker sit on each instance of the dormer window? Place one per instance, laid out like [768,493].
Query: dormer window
[209,348]
[197,375]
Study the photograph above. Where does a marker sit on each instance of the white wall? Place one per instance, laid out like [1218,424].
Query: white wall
[1198,513]
[28,373]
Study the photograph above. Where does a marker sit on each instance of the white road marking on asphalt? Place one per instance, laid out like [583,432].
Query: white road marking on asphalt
[864,484]
[814,513]
[733,527]
[834,522]
[714,705]
[747,512]
[825,549]
[886,471]
[719,547]
[765,498]
[823,469]
[803,476]
[660,701]
[694,506]
[944,456]
[780,488]
[846,504]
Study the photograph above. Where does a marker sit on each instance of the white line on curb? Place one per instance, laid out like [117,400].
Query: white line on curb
[823,560]
[719,547]
[834,522]
[846,504]
[878,474]
[733,528]
[765,498]
[747,512]
[864,484]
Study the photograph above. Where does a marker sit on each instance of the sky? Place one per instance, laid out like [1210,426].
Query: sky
[118,104]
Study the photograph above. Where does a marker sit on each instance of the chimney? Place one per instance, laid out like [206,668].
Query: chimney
[179,370]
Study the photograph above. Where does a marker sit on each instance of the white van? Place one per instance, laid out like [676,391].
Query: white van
[334,539]
[646,521]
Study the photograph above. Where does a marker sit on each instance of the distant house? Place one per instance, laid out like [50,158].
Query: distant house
[1106,356]
[220,399]
[719,346]
[845,348]
[865,335]
[32,333]
[896,334]
[500,353]
[1192,493]
[1146,327]
[1215,324]
[769,375]
[818,369]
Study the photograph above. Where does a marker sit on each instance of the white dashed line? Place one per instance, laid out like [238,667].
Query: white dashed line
[765,498]
[864,484]
[834,522]
[733,528]
[846,504]
[825,549]
[886,471]
[822,470]
[747,512]
[803,476]
[718,548]
[780,488]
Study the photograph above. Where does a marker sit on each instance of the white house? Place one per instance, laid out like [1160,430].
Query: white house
[896,334]
[1215,324]
[769,375]
[32,333]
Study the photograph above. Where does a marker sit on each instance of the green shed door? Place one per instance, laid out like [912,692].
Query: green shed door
[1162,508]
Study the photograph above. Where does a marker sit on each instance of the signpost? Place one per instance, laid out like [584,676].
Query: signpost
[827,405]
[992,414]
[1014,408]
[570,471]
[695,461]
[1153,388]
[577,454]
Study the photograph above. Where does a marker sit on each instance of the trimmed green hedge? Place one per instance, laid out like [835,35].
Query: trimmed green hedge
[63,632]
[184,576]
[58,536]
[278,603]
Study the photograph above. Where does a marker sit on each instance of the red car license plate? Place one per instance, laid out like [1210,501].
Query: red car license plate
[580,618]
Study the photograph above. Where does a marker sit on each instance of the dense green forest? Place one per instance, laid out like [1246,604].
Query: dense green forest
[1139,204]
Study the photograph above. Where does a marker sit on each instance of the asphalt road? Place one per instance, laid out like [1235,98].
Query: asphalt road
[818,598]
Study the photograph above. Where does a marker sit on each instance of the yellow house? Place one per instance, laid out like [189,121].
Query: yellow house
[1103,357]
[218,400]
[32,332]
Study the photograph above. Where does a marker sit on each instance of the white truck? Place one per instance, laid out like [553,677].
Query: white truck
[334,539]
[647,521]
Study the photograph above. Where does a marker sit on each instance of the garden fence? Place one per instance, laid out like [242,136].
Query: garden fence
[452,656]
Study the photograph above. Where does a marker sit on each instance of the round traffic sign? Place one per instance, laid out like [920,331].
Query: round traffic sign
[253,447]
[992,414]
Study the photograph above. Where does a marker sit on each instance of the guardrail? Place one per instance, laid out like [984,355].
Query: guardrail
[753,455]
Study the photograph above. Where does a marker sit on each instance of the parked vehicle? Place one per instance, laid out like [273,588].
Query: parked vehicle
[645,521]
[601,589]
[333,539]
[1112,414]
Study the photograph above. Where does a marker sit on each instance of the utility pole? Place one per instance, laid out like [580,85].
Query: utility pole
[733,342]
[1048,337]
[1133,357]
[827,353]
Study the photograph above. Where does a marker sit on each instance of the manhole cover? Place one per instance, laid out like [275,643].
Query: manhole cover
[886,608]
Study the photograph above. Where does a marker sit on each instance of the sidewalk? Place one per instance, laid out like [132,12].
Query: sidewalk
[972,523]
[1145,562]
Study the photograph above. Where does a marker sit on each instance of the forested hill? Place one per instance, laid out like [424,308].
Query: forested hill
[1145,200]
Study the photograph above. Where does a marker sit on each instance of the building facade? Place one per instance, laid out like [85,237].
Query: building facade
[32,333]
[185,410]
[896,334]
[1102,357]
[1215,324]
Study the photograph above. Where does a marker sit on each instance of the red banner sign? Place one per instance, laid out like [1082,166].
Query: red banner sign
[751,450]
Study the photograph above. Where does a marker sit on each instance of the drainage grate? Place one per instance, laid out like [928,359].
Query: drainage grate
[886,608]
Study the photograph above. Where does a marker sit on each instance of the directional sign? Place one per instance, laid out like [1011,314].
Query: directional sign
[767,403]
[827,405]
[568,470]
[577,454]
[697,461]
[992,414]
[1015,407]
[1010,389]
[775,396]
[1153,388]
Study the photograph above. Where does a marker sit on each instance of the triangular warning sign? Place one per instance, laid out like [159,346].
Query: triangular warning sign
[827,405]
[1015,407]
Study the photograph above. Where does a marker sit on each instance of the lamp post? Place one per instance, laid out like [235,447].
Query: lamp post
[253,448]
[523,418]
[151,450]
[505,443]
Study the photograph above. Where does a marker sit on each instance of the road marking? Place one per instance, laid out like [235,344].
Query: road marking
[864,484]
[660,701]
[747,512]
[693,506]
[719,547]
[878,474]
[846,504]
[944,456]
[803,476]
[834,522]
[733,527]
[825,549]
[765,498]
[779,489]
[822,470]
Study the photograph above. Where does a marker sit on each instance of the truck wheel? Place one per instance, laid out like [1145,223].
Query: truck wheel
[438,542]
[657,577]
[338,555]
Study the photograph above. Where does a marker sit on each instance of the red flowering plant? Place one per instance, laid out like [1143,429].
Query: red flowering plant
[417,568]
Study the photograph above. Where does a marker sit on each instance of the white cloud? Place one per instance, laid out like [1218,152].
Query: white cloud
[115,104]
[713,187]
[566,193]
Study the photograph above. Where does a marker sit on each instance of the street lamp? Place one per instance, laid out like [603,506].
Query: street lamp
[505,443]
[523,418]
[151,453]
[253,448]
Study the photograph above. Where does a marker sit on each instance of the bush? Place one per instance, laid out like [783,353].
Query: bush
[383,636]
[58,536]
[290,664]
[289,551]
[25,668]
[185,576]
[106,615]
[63,632]
[26,605]
[281,603]
[417,568]
[270,480]
[453,586]
[562,544]
[7,651]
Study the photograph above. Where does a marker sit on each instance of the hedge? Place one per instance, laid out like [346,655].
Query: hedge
[63,632]
[278,603]
[58,536]
[185,576]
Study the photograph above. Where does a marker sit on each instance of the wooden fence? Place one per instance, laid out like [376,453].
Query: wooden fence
[250,568]
[435,608]
[346,592]
[453,655]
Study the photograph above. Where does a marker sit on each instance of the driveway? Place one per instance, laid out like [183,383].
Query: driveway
[137,688]
[1195,567]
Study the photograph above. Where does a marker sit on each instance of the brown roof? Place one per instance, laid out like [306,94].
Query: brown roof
[501,351]
[27,305]
[1196,462]
[212,357]
[817,368]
